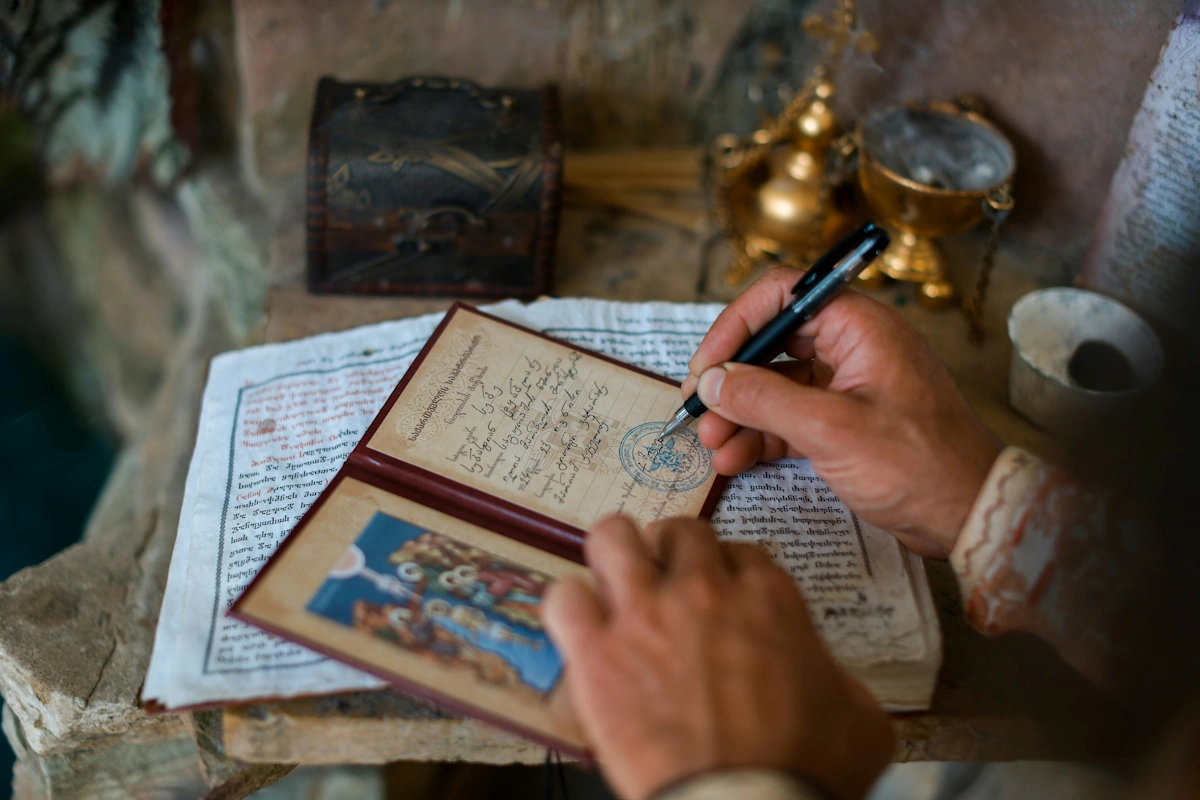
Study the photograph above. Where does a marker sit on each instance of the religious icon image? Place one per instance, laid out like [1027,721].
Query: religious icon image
[446,601]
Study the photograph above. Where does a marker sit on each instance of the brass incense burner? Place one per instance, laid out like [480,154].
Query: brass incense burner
[777,194]
[926,170]
[929,170]
[781,207]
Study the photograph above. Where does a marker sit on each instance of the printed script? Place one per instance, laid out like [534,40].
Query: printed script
[1146,245]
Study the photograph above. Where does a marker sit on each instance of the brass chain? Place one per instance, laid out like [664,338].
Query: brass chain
[996,207]
[841,150]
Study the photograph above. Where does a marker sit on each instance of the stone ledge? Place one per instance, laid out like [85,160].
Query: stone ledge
[367,728]
[115,768]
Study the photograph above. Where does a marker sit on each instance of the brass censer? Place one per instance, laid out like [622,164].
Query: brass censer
[929,170]
[776,195]
[784,205]
[926,170]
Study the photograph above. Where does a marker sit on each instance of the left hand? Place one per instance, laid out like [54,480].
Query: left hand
[693,655]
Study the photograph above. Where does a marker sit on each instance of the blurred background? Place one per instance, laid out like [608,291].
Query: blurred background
[152,164]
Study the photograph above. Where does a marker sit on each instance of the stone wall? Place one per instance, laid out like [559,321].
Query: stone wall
[1062,77]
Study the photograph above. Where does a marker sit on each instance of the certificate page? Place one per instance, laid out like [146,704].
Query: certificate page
[545,425]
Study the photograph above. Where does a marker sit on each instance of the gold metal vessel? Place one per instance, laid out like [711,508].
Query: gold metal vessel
[782,194]
[926,204]
[777,205]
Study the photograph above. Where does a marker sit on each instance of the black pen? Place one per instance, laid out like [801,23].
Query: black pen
[824,280]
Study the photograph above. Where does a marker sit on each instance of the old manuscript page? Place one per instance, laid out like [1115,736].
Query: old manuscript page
[279,420]
[1146,246]
[544,425]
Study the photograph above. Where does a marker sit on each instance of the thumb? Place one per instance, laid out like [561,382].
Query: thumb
[805,417]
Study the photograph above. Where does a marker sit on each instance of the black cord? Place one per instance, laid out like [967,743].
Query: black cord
[549,767]
[562,776]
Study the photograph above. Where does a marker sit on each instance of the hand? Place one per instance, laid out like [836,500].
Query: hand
[693,655]
[867,401]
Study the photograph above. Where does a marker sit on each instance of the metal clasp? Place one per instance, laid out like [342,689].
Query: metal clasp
[998,203]
[434,227]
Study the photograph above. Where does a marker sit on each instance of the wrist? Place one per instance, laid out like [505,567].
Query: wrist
[956,509]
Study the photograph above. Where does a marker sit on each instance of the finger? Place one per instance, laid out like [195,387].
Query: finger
[852,321]
[573,615]
[688,387]
[620,561]
[742,451]
[801,348]
[775,448]
[745,557]
[808,419]
[796,368]
[822,374]
[798,371]
[714,430]
[684,546]
[751,310]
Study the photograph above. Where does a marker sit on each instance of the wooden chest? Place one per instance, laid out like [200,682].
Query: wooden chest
[433,186]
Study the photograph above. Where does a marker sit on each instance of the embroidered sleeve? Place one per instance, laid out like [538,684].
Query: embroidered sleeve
[1041,553]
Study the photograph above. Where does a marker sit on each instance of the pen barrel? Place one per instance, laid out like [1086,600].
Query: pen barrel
[832,273]
[821,283]
[694,407]
[769,342]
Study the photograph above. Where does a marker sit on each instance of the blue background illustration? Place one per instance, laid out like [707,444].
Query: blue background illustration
[536,661]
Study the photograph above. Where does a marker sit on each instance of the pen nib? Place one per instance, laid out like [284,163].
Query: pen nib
[680,420]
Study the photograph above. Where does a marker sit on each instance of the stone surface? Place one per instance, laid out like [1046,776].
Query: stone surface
[76,631]
[154,287]
[118,768]
[987,707]
[601,253]
[228,778]
[367,728]
[1063,78]
[631,71]
[335,783]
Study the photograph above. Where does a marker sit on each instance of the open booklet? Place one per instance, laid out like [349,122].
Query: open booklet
[434,581]
[426,559]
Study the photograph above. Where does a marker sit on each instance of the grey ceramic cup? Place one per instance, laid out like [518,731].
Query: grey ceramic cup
[1046,328]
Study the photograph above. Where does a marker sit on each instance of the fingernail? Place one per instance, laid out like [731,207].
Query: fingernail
[709,387]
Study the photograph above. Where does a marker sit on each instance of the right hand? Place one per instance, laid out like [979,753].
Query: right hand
[867,401]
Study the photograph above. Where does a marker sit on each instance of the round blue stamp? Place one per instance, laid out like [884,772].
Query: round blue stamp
[676,464]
